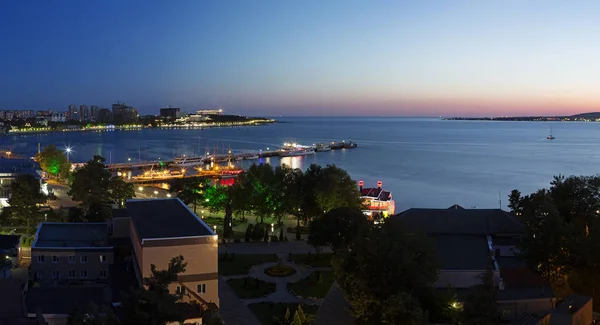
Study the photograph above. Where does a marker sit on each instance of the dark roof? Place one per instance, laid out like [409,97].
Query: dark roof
[11,299]
[459,252]
[376,192]
[456,207]
[64,300]
[165,218]
[526,319]
[71,234]
[525,294]
[334,309]
[457,221]
[19,167]
[521,277]
[9,241]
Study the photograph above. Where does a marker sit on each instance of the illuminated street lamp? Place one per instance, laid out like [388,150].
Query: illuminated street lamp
[156,193]
[68,151]
[168,194]
[272,228]
[141,189]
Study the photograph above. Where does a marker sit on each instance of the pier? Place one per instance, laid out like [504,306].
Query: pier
[220,158]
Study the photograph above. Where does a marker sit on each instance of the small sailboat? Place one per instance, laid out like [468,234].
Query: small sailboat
[550,136]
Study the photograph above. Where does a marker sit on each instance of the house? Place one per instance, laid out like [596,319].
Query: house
[10,169]
[71,252]
[377,200]
[160,229]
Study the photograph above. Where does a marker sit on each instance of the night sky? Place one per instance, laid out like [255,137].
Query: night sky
[314,57]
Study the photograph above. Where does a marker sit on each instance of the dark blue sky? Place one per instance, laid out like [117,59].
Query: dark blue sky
[313,57]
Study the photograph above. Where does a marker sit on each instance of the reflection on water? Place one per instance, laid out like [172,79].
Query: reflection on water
[293,162]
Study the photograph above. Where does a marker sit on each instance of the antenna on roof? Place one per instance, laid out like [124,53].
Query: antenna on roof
[499,200]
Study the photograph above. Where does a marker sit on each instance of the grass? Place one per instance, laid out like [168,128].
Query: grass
[266,311]
[310,286]
[240,263]
[248,288]
[314,260]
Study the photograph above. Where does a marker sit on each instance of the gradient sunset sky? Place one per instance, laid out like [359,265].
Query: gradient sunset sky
[312,57]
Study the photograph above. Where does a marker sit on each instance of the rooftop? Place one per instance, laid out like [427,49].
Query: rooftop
[459,252]
[165,218]
[376,192]
[11,299]
[18,167]
[461,221]
[71,235]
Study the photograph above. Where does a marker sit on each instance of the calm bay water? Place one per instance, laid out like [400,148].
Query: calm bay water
[424,162]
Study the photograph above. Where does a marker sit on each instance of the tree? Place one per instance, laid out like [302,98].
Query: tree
[215,198]
[384,265]
[54,162]
[189,190]
[227,222]
[120,190]
[91,187]
[479,307]
[24,200]
[514,202]
[336,189]
[93,315]
[154,304]
[338,228]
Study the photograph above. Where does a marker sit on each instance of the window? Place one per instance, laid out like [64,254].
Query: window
[202,288]
[83,274]
[40,259]
[40,274]
[71,274]
[102,258]
[103,273]
[72,259]
[180,290]
[55,274]
[55,259]
[84,259]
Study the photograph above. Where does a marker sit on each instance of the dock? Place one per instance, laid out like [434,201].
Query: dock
[222,158]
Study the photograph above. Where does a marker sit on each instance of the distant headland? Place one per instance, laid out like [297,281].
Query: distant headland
[583,117]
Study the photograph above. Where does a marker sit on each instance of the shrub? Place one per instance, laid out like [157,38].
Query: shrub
[274,238]
[298,235]
[281,234]
[237,241]
[266,237]
[259,231]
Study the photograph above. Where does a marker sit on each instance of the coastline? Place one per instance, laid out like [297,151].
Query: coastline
[140,127]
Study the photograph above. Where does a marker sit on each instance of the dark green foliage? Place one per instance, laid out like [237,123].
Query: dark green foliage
[93,315]
[298,233]
[154,304]
[479,307]
[93,187]
[249,232]
[54,162]
[514,202]
[382,271]
[562,232]
[189,190]
[338,228]
[24,200]
[258,232]
[266,236]
[228,222]
[281,234]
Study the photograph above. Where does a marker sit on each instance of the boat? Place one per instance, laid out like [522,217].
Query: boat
[185,161]
[296,152]
[221,171]
[159,175]
[550,137]
[320,147]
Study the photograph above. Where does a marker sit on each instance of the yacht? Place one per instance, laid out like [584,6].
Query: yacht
[158,175]
[185,161]
[320,147]
[296,152]
[550,137]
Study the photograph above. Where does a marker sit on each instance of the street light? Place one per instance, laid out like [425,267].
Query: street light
[140,189]
[155,192]
[68,150]
[168,194]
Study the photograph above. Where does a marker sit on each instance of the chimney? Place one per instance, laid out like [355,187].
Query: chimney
[360,185]
[379,183]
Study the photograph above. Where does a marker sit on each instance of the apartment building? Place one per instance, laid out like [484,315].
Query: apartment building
[160,229]
[71,252]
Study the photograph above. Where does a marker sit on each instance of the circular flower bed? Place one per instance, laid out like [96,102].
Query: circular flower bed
[280,270]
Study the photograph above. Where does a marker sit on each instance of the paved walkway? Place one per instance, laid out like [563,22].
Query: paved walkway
[281,293]
[232,309]
[294,247]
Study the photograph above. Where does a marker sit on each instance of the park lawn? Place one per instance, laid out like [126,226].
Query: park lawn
[314,260]
[241,263]
[265,311]
[309,286]
[248,288]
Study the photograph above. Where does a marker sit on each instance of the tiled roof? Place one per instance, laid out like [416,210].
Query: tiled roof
[461,221]
[334,309]
[165,218]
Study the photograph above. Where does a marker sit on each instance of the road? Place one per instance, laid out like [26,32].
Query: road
[62,198]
